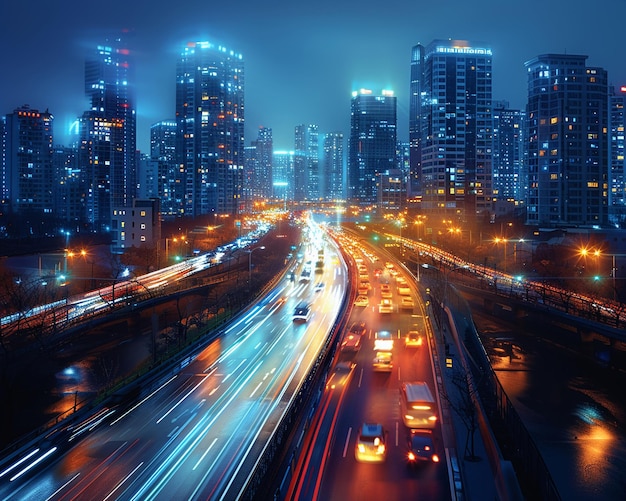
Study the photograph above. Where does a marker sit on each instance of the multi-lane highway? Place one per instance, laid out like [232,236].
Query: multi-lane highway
[199,431]
[357,393]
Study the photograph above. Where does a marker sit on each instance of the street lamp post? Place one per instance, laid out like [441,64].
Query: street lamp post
[250,262]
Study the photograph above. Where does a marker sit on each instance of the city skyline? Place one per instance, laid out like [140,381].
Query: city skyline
[301,61]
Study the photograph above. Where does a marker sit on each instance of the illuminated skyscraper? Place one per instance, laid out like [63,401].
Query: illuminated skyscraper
[617,193]
[283,174]
[263,172]
[509,181]
[332,171]
[306,163]
[451,129]
[210,118]
[567,141]
[169,182]
[107,149]
[372,146]
[28,175]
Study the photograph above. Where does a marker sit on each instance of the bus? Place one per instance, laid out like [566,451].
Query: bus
[419,409]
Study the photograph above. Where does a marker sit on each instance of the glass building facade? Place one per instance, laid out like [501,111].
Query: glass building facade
[108,144]
[567,140]
[451,127]
[210,135]
[372,144]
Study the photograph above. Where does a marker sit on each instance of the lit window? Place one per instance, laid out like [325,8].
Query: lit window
[143,226]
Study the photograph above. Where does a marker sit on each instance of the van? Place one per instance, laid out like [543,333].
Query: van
[419,409]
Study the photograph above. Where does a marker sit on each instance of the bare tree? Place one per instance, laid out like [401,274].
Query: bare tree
[463,403]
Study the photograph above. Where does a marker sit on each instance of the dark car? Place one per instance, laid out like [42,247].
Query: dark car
[358,328]
[421,448]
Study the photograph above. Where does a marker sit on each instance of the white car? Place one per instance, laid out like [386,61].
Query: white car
[385,306]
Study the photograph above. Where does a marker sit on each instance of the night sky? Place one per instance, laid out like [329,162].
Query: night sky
[302,58]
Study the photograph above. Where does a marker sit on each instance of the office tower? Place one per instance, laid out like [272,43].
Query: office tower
[415,100]
[262,174]
[210,118]
[332,170]
[69,192]
[372,144]
[283,175]
[453,133]
[107,150]
[567,141]
[509,182]
[169,181]
[250,162]
[28,183]
[147,177]
[306,163]
[403,161]
[617,192]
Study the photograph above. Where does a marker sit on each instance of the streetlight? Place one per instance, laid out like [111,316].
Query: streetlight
[502,240]
[250,251]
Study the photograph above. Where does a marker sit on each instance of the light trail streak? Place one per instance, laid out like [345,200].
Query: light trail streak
[183,398]
[144,400]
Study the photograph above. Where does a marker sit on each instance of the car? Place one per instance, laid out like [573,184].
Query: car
[421,448]
[404,290]
[352,342]
[407,303]
[371,443]
[413,339]
[361,300]
[319,286]
[385,306]
[358,328]
[302,312]
[383,361]
[385,291]
[383,341]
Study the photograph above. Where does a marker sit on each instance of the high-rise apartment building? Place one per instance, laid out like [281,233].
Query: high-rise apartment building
[107,149]
[283,175]
[617,192]
[332,170]
[28,172]
[451,127]
[567,141]
[210,119]
[372,144]
[262,175]
[509,181]
[168,179]
[306,163]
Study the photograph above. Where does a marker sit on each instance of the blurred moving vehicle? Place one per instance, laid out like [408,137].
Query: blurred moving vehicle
[385,306]
[358,328]
[383,341]
[421,448]
[352,342]
[302,312]
[383,361]
[413,339]
[418,406]
[407,303]
[361,300]
[371,443]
